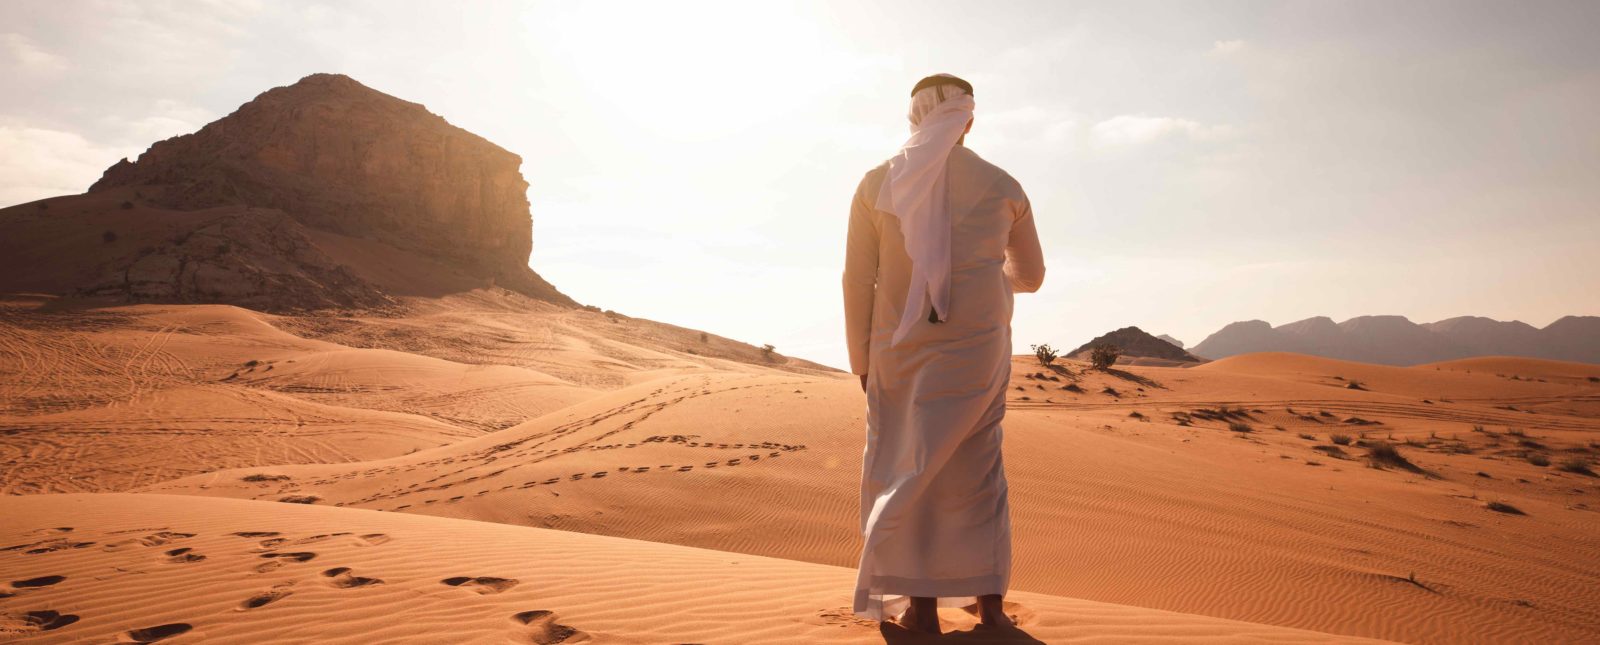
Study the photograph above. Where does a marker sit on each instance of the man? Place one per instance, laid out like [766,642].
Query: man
[939,240]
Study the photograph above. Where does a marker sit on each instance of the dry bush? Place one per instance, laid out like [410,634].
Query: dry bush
[1341,439]
[1102,357]
[1045,353]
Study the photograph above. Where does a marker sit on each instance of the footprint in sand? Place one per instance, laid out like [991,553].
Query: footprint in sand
[30,622]
[16,586]
[49,546]
[482,584]
[265,598]
[544,629]
[184,554]
[373,539]
[158,539]
[293,556]
[255,534]
[342,578]
[155,634]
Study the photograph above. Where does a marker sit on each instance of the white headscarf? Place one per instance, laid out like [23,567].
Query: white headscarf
[914,191]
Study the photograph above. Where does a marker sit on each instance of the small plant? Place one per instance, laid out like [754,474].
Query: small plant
[1341,439]
[1385,455]
[1136,415]
[1502,507]
[1240,427]
[1538,459]
[767,351]
[1354,385]
[1103,356]
[1577,466]
[1045,353]
[1072,387]
[127,206]
[264,477]
[1308,436]
[108,236]
[1112,391]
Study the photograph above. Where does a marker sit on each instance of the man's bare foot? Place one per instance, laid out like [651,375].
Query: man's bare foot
[992,611]
[922,617]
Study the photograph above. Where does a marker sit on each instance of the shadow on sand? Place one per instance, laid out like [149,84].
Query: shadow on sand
[896,635]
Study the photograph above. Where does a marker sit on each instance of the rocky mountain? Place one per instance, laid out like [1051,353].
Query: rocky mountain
[1137,343]
[1395,340]
[324,193]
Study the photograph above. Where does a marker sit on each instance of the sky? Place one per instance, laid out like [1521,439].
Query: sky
[1189,164]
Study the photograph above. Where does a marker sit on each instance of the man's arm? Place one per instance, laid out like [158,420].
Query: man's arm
[1024,259]
[860,280]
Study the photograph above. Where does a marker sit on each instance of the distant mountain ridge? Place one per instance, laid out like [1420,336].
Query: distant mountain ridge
[1395,340]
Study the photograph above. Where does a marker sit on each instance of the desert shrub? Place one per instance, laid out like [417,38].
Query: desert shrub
[1592,379]
[127,206]
[768,350]
[1240,427]
[300,499]
[109,236]
[1308,436]
[1280,428]
[1331,451]
[1385,455]
[1045,353]
[1136,414]
[1341,439]
[1103,356]
[264,477]
[1111,390]
[1516,432]
[1072,387]
[1502,507]
[1577,466]
[1354,385]
[1538,459]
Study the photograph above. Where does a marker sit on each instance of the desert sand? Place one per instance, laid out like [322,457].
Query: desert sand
[702,491]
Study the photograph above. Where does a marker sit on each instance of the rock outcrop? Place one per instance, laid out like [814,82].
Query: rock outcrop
[336,156]
[1137,343]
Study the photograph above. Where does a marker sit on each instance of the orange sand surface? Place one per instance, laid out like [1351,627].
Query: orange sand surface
[230,571]
[1239,494]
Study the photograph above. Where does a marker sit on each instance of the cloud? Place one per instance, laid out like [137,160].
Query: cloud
[1132,130]
[39,163]
[1225,47]
[28,56]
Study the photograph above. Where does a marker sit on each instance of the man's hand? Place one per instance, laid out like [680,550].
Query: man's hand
[863,382]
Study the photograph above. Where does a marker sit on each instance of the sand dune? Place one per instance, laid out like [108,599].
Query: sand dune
[1128,487]
[227,571]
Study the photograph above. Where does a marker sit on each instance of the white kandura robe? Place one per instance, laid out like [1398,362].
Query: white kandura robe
[933,490]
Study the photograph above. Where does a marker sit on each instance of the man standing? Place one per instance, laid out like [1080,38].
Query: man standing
[939,241]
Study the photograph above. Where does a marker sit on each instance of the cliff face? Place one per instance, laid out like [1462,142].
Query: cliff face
[338,156]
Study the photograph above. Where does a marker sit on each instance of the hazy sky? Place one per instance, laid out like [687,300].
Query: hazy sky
[1190,163]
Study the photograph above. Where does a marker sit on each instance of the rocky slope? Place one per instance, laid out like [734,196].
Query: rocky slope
[322,193]
[1137,343]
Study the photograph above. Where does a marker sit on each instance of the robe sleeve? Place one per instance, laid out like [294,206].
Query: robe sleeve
[1024,259]
[860,280]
